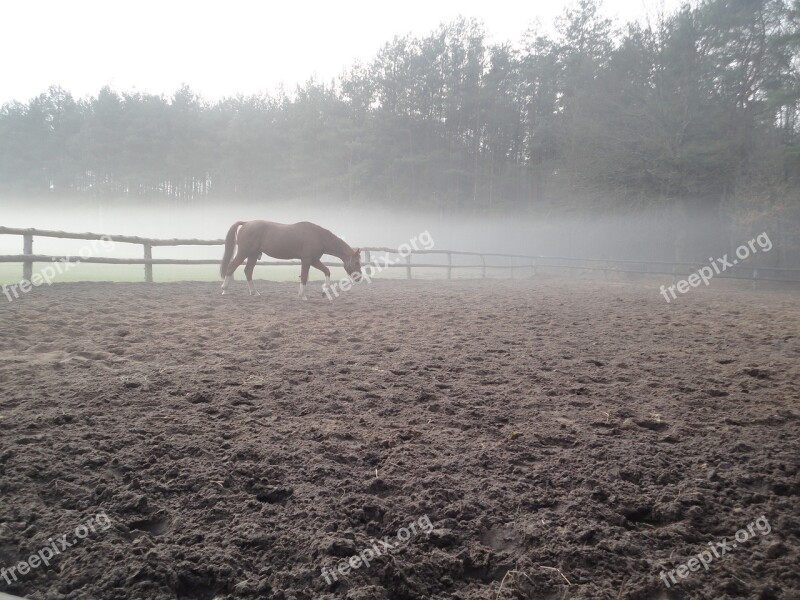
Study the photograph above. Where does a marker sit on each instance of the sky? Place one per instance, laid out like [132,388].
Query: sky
[232,47]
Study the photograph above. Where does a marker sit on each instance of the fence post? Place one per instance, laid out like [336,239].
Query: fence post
[27,248]
[755,277]
[512,267]
[367,257]
[408,266]
[483,268]
[148,267]
[449,266]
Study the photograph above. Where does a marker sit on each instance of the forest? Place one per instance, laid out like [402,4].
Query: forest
[698,107]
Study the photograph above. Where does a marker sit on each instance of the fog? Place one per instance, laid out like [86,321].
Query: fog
[656,235]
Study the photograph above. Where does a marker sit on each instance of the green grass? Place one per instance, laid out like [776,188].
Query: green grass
[12,273]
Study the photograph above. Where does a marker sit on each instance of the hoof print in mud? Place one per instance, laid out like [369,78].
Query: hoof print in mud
[652,424]
[274,494]
[198,398]
[443,538]
[379,486]
[338,547]
[154,526]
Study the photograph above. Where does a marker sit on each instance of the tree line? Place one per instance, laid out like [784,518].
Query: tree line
[699,106]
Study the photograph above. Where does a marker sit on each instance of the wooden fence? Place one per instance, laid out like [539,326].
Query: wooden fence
[514,262]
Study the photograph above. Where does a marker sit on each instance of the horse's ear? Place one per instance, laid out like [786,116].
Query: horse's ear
[358,251]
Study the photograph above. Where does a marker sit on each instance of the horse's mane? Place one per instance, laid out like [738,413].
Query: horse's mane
[334,239]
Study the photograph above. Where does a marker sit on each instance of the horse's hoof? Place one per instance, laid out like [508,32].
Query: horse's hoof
[223,292]
[254,294]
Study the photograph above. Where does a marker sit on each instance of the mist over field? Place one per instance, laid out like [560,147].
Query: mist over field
[664,234]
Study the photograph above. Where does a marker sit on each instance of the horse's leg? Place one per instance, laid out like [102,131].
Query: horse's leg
[304,278]
[317,264]
[237,260]
[248,272]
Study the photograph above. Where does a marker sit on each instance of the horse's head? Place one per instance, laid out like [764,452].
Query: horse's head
[352,265]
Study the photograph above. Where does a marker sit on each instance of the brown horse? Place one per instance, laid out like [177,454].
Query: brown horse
[304,241]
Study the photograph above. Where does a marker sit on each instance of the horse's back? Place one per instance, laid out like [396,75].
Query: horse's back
[283,240]
[301,226]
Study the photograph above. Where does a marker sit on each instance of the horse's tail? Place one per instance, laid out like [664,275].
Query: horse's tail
[230,244]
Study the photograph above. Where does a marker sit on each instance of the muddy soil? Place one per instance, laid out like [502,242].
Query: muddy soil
[539,439]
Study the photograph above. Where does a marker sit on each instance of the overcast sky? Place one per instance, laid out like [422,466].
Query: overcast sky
[232,46]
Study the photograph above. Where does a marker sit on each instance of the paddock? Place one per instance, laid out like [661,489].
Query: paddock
[565,438]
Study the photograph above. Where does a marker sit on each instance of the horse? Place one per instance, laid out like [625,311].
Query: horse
[305,241]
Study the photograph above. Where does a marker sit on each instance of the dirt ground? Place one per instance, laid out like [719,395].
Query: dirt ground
[539,439]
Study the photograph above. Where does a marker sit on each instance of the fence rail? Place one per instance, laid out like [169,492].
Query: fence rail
[531,263]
